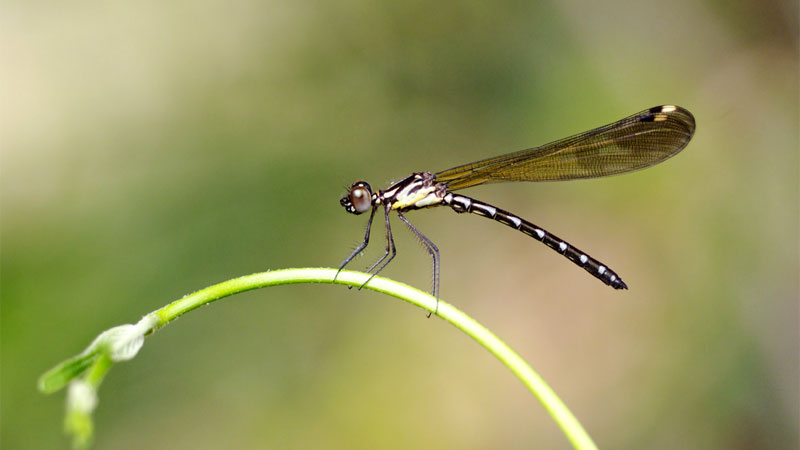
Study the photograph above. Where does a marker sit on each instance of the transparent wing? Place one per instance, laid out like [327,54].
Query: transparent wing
[641,140]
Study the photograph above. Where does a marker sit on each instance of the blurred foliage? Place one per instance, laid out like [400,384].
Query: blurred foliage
[150,149]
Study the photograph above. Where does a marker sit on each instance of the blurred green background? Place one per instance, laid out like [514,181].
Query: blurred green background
[150,149]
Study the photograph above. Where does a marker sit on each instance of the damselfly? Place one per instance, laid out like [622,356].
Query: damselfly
[641,140]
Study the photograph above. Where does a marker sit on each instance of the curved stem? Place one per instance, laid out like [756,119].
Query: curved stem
[121,343]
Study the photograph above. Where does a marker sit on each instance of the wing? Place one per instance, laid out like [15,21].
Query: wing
[641,140]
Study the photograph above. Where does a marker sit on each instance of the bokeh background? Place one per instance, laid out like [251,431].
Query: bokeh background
[150,149]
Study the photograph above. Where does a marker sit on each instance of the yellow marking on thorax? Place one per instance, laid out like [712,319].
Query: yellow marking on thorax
[419,199]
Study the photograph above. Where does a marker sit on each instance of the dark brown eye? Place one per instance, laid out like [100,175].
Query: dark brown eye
[361,198]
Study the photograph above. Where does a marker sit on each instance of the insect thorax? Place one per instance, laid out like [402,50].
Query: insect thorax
[417,191]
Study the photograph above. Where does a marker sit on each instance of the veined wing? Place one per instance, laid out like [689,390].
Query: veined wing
[641,140]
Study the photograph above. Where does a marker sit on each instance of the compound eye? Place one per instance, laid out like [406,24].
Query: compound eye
[361,198]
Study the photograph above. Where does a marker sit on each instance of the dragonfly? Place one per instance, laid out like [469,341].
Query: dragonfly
[638,141]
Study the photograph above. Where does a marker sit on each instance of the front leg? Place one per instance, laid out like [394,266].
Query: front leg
[391,251]
[361,247]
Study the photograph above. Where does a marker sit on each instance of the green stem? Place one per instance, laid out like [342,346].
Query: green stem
[155,320]
[99,370]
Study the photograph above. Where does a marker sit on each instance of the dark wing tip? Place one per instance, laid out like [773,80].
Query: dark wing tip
[677,115]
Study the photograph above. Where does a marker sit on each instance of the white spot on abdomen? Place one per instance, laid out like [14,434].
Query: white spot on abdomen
[488,209]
